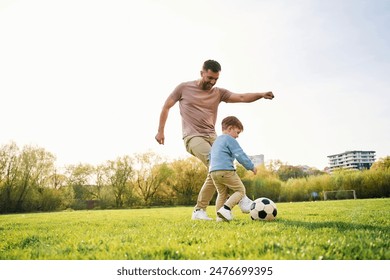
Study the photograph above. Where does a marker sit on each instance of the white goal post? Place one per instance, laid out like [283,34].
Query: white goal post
[336,196]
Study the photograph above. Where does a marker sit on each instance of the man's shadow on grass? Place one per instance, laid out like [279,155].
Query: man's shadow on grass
[340,226]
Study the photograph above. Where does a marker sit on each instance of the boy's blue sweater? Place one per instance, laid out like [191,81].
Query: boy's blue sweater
[224,151]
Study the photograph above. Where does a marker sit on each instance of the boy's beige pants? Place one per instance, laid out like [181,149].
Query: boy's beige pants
[224,181]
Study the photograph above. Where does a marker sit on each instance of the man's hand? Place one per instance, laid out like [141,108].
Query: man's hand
[268,95]
[160,138]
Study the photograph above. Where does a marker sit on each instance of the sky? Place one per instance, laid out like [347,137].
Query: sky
[86,79]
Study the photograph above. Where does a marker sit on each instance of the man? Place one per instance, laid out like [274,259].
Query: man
[198,103]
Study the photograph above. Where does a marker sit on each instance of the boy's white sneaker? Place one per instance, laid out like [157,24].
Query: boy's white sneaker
[245,204]
[225,214]
[200,214]
[219,219]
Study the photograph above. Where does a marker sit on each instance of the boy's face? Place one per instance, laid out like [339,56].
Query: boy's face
[233,131]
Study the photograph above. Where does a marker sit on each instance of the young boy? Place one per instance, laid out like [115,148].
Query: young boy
[222,171]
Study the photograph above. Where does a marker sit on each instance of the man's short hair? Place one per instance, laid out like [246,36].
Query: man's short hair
[212,65]
[232,121]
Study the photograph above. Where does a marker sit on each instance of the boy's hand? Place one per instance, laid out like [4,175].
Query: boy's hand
[254,170]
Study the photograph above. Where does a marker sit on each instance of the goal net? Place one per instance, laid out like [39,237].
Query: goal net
[340,194]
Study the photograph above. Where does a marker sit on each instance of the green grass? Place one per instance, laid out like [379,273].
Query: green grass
[333,230]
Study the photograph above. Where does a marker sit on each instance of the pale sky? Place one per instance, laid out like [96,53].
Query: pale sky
[86,80]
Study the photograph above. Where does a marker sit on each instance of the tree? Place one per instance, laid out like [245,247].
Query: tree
[57,180]
[381,164]
[189,175]
[80,177]
[147,179]
[9,157]
[274,165]
[24,177]
[286,172]
[37,165]
[118,175]
[100,185]
[162,174]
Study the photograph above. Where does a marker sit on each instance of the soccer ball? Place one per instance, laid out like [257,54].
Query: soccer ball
[263,209]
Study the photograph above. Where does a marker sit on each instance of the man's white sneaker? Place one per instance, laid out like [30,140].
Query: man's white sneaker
[245,204]
[200,214]
[225,214]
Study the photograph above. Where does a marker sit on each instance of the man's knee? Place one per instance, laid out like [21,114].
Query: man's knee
[199,148]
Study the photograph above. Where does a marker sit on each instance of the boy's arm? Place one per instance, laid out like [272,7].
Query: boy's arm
[241,156]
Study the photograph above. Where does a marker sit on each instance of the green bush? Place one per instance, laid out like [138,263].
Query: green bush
[367,184]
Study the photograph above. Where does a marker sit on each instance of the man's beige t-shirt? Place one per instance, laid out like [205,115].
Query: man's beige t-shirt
[198,108]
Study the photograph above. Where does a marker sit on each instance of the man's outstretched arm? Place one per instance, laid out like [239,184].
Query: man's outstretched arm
[249,97]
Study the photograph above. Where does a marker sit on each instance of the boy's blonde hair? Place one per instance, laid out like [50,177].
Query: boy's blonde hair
[232,121]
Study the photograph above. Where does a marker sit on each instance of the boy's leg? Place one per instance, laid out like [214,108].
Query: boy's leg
[234,183]
[223,194]
[223,191]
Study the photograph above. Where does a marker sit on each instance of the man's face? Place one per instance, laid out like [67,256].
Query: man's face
[209,79]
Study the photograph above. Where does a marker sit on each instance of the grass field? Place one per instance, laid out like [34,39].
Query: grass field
[331,230]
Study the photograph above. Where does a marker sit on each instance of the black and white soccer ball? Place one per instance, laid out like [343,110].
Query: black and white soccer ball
[263,209]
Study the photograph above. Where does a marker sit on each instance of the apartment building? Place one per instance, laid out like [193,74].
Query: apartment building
[257,159]
[352,160]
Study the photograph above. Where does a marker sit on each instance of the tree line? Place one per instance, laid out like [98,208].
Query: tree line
[30,181]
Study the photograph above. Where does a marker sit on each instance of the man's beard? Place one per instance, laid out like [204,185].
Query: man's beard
[207,86]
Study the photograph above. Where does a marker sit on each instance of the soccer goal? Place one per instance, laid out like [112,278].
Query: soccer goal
[340,194]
